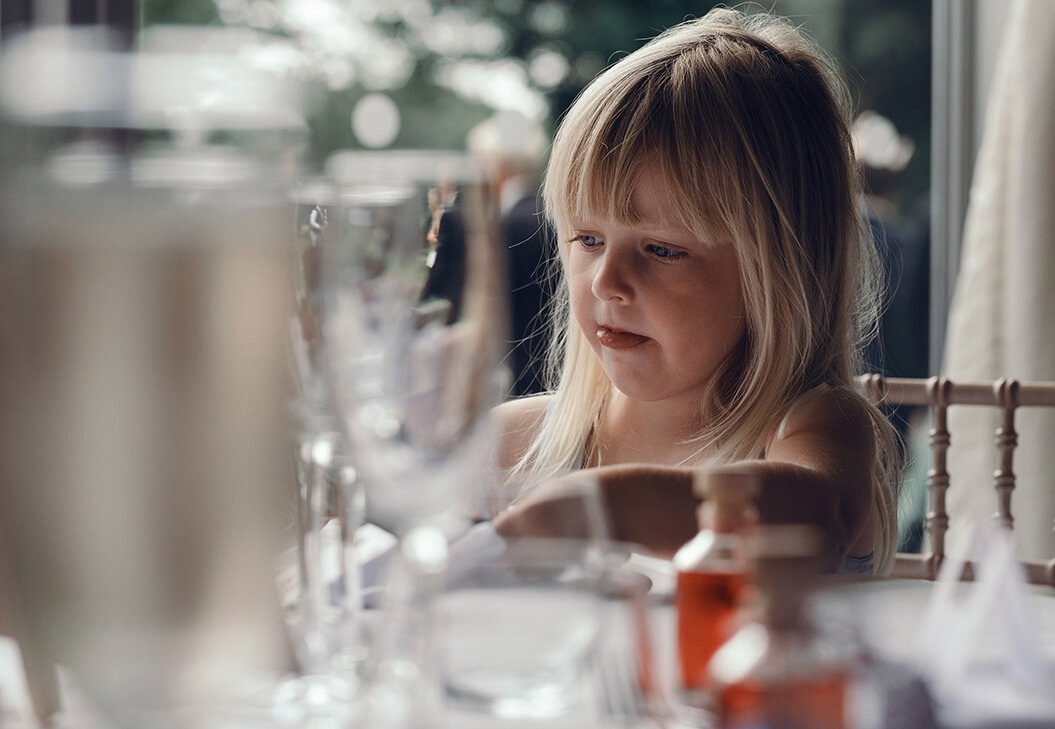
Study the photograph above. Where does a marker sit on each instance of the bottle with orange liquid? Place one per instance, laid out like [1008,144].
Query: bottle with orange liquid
[712,573]
[777,670]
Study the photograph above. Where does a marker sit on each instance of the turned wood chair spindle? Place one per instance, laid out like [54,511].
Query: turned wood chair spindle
[939,394]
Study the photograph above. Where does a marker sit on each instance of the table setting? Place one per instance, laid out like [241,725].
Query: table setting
[248,476]
[618,661]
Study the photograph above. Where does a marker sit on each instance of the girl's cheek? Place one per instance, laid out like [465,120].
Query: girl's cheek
[563,252]
[581,288]
[580,308]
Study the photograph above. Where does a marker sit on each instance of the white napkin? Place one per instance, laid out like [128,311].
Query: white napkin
[978,642]
[480,544]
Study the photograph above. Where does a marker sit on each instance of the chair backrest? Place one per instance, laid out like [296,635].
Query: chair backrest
[938,394]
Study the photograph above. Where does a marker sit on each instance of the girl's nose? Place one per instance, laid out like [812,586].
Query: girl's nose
[612,278]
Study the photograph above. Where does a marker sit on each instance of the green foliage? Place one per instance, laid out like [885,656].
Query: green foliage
[886,48]
[433,116]
[181,12]
[882,45]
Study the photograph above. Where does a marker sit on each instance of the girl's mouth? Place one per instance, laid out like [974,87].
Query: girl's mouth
[618,339]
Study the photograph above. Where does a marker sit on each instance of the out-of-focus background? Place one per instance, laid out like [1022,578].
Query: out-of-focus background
[156,205]
[412,73]
[498,74]
[425,73]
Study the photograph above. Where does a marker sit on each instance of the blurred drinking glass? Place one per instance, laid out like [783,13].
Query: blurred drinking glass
[320,588]
[144,302]
[414,335]
[415,332]
[319,574]
[516,634]
[550,629]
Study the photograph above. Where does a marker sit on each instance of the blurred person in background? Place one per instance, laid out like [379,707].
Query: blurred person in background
[310,283]
[317,223]
[901,349]
[446,257]
[513,149]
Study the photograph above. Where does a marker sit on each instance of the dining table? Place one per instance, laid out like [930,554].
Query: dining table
[885,619]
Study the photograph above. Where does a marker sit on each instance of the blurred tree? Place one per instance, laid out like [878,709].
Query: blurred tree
[886,47]
[183,12]
[882,47]
[449,63]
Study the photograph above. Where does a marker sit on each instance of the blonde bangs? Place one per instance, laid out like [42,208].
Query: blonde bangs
[592,173]
[615,133]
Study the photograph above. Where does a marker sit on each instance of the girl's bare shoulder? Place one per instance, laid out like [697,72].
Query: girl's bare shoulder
[832,410]
[518,422]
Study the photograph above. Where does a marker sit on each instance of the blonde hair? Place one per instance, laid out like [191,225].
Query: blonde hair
[748,123]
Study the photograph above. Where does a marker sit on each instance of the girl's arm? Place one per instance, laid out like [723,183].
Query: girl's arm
[818,470]
[645,504]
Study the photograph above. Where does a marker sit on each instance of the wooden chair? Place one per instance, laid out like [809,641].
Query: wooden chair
[939,393]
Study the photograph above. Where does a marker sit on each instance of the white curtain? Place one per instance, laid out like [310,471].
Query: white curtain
[1002,320]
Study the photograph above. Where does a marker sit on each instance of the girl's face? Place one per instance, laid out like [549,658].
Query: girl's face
[660,307]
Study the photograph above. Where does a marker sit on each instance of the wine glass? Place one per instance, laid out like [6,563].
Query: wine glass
[414,332]
[319,574]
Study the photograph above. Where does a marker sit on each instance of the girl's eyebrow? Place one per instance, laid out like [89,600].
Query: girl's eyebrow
[667,236]
[583,222]
[676,236]
[578,231]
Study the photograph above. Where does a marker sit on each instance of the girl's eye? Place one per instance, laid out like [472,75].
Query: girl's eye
[664,253]
[587,241]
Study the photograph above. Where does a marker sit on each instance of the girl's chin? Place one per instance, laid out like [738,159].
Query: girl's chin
[653,386]
[641,388]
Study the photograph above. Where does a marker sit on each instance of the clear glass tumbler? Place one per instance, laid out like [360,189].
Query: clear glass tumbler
[144,305]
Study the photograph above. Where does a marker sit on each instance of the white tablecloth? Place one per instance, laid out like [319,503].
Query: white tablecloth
[884,614]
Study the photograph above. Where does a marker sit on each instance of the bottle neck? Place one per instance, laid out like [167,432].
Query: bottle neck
[723,517]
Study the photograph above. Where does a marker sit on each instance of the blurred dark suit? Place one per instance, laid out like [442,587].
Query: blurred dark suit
[446,279]
[526,234]
[902,347]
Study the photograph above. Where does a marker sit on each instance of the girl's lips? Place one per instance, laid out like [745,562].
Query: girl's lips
[617,339]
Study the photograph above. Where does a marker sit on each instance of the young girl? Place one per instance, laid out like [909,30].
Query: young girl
[716,284]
